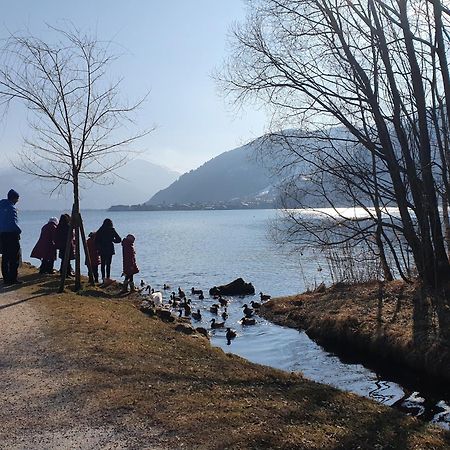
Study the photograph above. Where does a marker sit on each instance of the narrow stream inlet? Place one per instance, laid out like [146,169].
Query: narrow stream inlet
[291,350]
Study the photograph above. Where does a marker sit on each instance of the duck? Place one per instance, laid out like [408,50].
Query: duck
[201,297]
[264,296]
[225,314]
[214,308]
[142,283]
[231,334]
[223,301]
[248,321]
[181,293]
[197,315]
[248,312]
[255,305]
[196,291]
[166,287]
[202,331]
[215,324]
[187,309]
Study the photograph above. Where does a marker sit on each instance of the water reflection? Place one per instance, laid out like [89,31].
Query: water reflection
[291,350]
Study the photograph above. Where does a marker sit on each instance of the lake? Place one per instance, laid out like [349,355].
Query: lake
[205,248]
[197,248]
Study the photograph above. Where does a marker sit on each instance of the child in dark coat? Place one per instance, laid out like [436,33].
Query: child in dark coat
[45,248]
[129,262]
[93,255]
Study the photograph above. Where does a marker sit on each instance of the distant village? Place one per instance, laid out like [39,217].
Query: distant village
[195,206]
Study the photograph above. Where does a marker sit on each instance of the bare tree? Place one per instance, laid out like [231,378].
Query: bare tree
[378,70]
[364,66]
[76,114]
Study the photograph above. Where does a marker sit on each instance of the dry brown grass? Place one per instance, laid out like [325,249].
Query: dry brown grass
[116,362]
[377,318]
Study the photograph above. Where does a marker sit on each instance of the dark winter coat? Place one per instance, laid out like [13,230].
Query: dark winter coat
[45,247]
[93,252]
[62,230]
[105,238]
[8,217]
[129,258]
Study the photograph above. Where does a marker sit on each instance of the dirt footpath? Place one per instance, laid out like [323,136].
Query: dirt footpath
[88,370]
[39,407]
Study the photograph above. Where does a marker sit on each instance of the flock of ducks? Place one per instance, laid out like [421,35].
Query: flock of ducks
[178,301]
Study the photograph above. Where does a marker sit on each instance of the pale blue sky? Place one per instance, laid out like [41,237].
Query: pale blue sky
[170,48]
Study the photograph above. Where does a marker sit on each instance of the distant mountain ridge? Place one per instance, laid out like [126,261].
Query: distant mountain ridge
[233,175]
[135,182]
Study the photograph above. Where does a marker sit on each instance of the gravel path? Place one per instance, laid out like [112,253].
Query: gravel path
[38,408]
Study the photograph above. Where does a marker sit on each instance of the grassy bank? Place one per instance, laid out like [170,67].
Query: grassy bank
[115,362]
[383,320]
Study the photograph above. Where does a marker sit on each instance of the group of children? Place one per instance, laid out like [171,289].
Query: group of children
[55,236]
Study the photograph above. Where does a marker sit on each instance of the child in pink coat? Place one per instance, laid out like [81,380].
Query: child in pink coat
[130,267]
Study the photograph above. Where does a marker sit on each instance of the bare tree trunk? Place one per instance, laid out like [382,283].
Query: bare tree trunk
[437,268]
[65,263]
[86,252]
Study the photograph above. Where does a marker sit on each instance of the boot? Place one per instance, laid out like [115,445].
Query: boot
[132,288]
[124,287]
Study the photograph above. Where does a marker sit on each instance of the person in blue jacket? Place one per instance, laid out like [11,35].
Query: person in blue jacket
[10,238]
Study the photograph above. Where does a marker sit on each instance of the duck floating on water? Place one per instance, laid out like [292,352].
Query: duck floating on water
[215,324]
[225,314]
[255,305]
[248,312]
[248,321]
[197,315]
[214,308]
[264,297]
[231,334]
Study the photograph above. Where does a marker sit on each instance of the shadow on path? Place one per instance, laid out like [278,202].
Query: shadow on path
[18,302]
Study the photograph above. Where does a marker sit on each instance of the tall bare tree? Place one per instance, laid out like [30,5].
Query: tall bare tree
[76,115]
[378,70]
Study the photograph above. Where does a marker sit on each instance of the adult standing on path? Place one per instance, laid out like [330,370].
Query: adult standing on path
[105,238]
[45,248]
[10,238]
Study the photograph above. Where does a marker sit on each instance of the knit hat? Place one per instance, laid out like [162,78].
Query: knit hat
[12,194]
[53,220]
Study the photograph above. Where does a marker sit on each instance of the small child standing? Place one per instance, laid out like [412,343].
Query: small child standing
[129,262]
[94,256]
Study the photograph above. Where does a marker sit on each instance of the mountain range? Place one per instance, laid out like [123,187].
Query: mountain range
[233,176]
[136,181]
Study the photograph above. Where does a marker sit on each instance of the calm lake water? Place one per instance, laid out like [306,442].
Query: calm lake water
[205,248]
